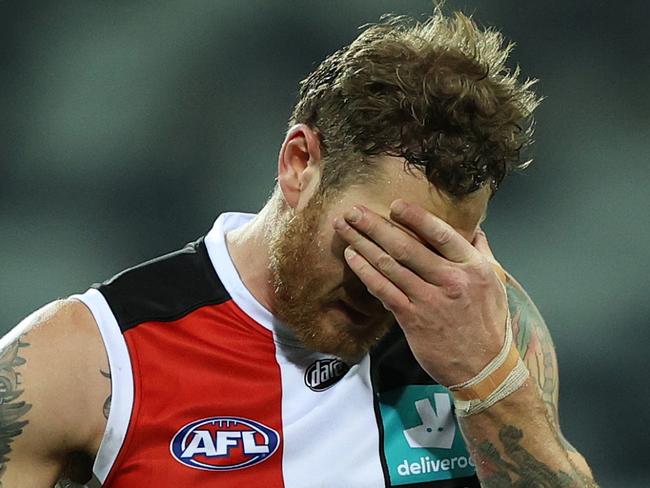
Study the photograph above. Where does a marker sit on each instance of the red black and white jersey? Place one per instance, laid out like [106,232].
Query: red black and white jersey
[209,389]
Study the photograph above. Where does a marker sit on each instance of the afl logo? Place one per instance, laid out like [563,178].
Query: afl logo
[325,373]
[224,443]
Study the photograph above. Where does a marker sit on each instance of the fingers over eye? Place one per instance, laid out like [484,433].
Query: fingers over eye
[402,244]
[433,230]
[377,284]
[405,279]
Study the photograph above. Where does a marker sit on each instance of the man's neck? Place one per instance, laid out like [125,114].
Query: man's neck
[249,251]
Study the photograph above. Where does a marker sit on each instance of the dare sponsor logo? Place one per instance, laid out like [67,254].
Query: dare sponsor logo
[324,373]
[224,443]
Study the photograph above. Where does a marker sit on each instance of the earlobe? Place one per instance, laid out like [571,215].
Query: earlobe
[299,157]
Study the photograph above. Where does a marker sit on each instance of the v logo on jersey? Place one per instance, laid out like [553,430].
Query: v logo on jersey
[422,442]
[437,428]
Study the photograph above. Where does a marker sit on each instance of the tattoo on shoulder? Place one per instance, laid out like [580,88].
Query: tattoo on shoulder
[107,402]
[12,409]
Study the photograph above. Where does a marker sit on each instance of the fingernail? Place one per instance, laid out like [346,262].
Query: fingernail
[353,215]
[349,253]
[397,207]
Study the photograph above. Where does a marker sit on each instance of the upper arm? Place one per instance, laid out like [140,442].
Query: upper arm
[536,348]
[51,393]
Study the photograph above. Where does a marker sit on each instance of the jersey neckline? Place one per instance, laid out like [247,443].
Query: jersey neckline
[215,242]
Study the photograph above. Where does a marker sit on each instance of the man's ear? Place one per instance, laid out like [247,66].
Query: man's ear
[299,165]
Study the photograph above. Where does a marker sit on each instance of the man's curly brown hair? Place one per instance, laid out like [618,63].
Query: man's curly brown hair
[437,93]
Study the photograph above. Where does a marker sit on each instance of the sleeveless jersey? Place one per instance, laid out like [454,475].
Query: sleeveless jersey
[209,389]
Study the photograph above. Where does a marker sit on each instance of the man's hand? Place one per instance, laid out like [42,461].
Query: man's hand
[442,290]
[446,295]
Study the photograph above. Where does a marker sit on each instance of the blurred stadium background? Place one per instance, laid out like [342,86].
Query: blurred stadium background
[127,126]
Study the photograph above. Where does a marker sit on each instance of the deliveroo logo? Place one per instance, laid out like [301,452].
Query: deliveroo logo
[437,428]
[422,441]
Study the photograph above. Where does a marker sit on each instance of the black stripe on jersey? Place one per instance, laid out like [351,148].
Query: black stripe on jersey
[467,482]
[165,288]
[380,429]
[392,365]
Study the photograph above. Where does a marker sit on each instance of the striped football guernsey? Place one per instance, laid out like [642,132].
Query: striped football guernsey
[209,389]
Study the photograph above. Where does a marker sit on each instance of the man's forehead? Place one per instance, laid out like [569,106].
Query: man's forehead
[395,180]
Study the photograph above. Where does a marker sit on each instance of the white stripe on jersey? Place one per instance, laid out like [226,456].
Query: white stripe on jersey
[330,437]
[121,382]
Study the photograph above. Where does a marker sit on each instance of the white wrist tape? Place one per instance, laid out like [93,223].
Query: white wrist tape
[502,376]
[515,380]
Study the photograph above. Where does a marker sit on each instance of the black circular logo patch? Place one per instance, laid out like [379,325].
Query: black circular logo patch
[324,373]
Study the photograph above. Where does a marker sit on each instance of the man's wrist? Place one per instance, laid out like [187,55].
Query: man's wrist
[502,376]
[469,401]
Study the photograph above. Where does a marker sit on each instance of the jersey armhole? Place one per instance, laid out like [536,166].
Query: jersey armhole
[121,383]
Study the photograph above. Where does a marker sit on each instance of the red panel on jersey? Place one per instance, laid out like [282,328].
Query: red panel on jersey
[215,363]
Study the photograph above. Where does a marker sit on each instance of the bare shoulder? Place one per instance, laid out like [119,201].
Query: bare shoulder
[52,395]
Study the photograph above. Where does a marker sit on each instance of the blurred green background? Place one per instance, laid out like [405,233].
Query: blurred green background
[127,126]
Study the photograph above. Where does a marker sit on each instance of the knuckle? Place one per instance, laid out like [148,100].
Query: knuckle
[366,270]
[394,306]
[455,284]
[369,225]
[481,269]
[429,294]
[485,272]
[380,290]
[361,267]
[453,290]
[385,263]
[443,235]
[357,240]
[450,276]
[402,251]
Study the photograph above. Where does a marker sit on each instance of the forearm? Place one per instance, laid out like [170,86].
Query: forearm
[514,444]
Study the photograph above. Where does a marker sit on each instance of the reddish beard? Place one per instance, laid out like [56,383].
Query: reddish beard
[300,299]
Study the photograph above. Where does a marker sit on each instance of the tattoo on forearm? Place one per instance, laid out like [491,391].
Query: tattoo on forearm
[11,408]
[537,351]
[107,402]
[535,345]
[522,470]
[67,484]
